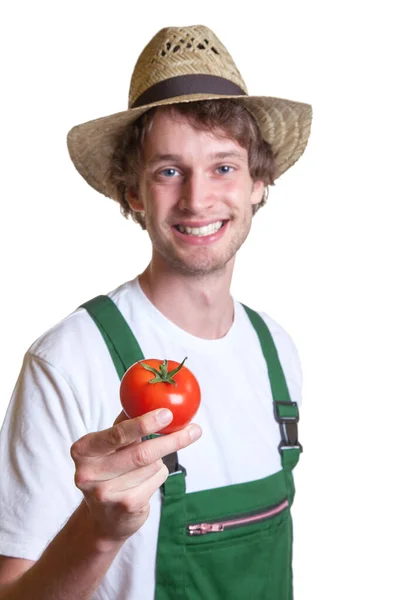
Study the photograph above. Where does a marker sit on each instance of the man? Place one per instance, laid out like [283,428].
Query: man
[180,515]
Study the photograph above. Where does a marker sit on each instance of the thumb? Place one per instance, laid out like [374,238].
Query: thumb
[121,417]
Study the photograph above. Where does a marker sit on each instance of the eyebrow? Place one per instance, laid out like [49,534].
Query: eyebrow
[157,158]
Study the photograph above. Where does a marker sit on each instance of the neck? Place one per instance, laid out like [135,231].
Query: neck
[201,306]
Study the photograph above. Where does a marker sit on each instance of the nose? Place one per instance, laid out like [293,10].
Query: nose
[196,194]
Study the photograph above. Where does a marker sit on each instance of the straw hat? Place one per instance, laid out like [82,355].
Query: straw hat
[185,64]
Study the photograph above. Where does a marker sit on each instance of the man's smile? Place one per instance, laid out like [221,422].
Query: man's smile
[199,229]
[201,235]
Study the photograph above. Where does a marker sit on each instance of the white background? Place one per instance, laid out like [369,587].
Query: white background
[329,257]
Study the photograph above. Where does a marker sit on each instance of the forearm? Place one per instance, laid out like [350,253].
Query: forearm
[71,567]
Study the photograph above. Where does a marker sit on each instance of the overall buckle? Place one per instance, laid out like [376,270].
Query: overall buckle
[171,461]
[287,415]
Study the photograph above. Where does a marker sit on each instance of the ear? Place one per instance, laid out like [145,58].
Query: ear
[257,191]
[133,199]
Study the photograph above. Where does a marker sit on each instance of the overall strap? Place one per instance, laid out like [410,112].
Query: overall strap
[122,345]
[285,412]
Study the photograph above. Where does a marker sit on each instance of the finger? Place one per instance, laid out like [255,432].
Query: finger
[138,477]
[136,456]
[145,453]
[102,443]
[121,417]
[132,479]
[136,497]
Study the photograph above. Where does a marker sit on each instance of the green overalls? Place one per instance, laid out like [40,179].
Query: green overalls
[227,543]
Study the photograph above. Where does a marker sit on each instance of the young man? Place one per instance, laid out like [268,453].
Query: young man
[180,515]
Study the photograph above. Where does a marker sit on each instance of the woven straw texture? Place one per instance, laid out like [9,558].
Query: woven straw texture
[182,51]
[172,52]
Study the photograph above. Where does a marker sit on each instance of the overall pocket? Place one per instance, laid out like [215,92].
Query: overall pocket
[241,557]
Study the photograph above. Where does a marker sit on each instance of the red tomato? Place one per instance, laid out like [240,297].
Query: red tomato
[173,386]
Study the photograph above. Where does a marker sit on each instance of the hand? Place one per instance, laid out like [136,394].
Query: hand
[118,472]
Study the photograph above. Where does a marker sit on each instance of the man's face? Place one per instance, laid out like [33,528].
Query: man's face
[197,180]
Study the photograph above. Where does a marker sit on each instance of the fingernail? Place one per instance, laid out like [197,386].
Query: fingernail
[195,432]
[164,416]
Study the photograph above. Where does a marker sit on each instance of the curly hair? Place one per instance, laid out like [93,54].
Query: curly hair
[225,117]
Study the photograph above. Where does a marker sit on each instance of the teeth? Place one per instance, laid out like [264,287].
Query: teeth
[201,231]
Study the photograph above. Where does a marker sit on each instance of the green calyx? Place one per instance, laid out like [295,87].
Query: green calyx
[163,375]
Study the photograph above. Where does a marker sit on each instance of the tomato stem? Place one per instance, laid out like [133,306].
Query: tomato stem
[163,375]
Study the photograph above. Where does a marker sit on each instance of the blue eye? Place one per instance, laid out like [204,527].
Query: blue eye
[169,172]
[225,169]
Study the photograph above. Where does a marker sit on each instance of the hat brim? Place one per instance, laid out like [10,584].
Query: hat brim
[285,125]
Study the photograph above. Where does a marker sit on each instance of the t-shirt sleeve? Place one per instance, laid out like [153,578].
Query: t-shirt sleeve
[37,490]
[289,359]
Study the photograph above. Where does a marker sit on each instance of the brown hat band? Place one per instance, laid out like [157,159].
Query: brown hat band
[188,84]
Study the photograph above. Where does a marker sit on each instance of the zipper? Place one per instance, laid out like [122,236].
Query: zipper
[223,525]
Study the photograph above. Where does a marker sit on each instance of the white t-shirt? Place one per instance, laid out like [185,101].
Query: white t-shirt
[68,386]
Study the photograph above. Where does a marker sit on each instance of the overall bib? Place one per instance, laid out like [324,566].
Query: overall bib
[228,543]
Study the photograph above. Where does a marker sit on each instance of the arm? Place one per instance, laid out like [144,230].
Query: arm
[75,560]
[118,474]
[11,569]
